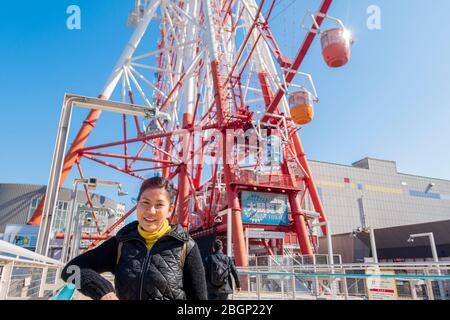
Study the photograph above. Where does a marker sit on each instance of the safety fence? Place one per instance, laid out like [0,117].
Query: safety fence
[26,275]
[385,281]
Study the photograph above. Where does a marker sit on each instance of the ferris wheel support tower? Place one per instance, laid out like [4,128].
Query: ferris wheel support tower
[207,78]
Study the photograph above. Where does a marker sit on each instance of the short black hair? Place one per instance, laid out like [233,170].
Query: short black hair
[158,183]
[218,245]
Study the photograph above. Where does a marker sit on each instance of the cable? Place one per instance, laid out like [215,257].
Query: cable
[276,5]
[287,7]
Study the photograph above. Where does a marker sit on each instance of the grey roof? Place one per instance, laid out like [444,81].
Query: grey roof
[396,237]
[15,200]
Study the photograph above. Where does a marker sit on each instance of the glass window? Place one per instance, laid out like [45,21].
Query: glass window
[33,205]
[59,220]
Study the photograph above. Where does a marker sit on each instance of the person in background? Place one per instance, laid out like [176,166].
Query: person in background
[218,269]
[149,258]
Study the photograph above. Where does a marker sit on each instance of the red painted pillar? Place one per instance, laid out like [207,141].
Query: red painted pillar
[166,170]
[233,203]
[309,182]
[232,196]
[296,212]
[183,181]
[300,225]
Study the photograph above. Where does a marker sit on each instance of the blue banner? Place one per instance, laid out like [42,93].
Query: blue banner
[264,208]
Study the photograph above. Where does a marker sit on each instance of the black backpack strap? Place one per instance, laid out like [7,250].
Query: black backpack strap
[186,249]
[183,254]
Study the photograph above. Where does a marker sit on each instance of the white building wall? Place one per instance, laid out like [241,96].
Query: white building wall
[388,198]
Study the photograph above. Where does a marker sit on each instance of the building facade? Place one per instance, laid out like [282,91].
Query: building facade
[372,193]
[19,201]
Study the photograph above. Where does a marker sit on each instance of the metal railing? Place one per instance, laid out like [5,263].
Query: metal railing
[26,275]
[393,281]
[264,179]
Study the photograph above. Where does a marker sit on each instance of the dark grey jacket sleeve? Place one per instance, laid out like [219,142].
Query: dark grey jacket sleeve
[194,282]
[90,264]
[234,273]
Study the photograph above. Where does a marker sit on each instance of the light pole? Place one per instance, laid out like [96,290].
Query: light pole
[81,219]
[430,236]
[69,221]
[373,245]
[218,218]
[72,218]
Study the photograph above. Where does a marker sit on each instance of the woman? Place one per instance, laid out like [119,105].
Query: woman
[150,258]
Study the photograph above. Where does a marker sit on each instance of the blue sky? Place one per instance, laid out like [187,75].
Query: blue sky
[390,102]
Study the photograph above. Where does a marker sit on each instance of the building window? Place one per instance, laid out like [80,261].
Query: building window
[33,205]
[59,221]
[421,194]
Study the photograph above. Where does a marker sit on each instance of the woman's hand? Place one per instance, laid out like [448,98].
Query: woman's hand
[109,296]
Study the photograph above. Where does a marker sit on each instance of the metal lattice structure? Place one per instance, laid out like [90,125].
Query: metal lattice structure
[217,72]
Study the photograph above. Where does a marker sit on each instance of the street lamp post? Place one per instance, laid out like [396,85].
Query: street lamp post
[329,242]
[219,218]
[72,219]
[430,236]
[373,245]
[69,221]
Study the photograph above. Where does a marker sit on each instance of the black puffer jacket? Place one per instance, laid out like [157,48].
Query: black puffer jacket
[141,274]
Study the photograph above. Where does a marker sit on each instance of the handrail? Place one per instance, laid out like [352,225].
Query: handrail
[19,252]
[367,265]
[27,275]
[345,275]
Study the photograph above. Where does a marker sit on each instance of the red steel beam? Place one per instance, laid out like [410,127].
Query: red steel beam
[146,138]
[113,226]
[86,236]
[88,196]
[298,59]
[113,166]
[155,168]
[120,156]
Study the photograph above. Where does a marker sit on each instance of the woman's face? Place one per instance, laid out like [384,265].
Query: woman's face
[153,208]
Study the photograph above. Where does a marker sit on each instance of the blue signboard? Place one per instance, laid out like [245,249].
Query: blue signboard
[264,208]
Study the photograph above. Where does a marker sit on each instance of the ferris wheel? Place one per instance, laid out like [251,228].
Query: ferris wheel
[226,105]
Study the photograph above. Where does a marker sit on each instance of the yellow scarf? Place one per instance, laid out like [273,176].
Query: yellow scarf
[152,237]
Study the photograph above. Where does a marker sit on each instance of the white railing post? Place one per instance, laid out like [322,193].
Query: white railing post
[430,292]
[43,283]
[258,284]
[5,280]
[316,279]
[412,284]
[429,286]
[344,286]
[293,282]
